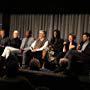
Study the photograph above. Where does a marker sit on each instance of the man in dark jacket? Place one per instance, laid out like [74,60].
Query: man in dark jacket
[14,45]
[3,40]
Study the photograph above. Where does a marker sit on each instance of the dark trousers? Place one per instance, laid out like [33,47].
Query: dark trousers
[29,55]
[75,64]
[1,50]
[73,54]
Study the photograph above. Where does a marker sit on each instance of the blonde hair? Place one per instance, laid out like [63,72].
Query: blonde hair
[16,32]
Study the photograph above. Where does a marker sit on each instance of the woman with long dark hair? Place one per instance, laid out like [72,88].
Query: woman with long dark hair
[54,49]
[56,42]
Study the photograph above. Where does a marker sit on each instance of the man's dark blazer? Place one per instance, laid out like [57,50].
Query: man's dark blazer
[85,55]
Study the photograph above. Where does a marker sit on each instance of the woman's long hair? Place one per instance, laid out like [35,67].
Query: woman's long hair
[58,34]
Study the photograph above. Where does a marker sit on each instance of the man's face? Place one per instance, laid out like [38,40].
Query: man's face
[27,34]
[85,38]
[41,35]
[2,33]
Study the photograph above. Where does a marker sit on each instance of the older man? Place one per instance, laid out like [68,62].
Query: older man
[3,41]
[36,48]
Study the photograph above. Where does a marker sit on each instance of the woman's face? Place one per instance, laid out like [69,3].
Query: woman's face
[41,35]
[70,38]
[2,33]
[15,34]
[55,34]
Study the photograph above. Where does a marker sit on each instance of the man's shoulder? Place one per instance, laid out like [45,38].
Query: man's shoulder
[31,38]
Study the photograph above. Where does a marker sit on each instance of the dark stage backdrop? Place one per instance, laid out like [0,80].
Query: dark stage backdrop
[0,21]
[66,23]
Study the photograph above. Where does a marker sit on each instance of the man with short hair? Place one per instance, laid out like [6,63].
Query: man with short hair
[3,40]
[26,43]
[36,48]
